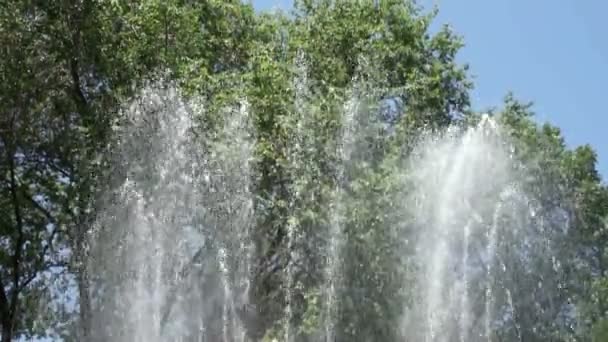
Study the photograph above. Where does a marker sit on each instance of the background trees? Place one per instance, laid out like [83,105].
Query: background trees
[67,66]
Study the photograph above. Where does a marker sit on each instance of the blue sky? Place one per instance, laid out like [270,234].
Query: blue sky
[552,53]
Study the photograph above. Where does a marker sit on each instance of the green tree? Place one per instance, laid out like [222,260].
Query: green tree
[338,93]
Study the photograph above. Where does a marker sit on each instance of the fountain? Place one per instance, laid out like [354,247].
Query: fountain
[180,216]
[472,208]
[174,253]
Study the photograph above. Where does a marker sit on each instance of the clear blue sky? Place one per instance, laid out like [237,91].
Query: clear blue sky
[554,53]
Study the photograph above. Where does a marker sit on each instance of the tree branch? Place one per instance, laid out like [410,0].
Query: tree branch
[42,265]
[46,266]
[20,235]
[37,205]
[4,305]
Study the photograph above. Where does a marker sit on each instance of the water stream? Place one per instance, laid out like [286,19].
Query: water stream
[178,263]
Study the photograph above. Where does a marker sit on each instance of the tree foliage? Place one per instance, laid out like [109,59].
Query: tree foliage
[316,81]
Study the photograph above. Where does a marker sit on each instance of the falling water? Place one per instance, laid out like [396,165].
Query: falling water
[159,178]
[490,253]
[162,229]
[336,238]
[227,304]
[232,154]
[464,292]
[455,175]
[296,151]
[241,133]
[290,282]
[176,247]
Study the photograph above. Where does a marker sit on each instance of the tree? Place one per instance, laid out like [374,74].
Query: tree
[337,95]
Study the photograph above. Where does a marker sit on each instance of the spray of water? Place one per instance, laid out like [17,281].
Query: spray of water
[456,176]
[175,243]
[183,249]
[336,236]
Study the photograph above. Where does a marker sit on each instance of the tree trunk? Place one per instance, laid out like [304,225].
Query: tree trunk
[9,302]
[84,305]
[6,322]
[7,332]
[81,245]
[80,173]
